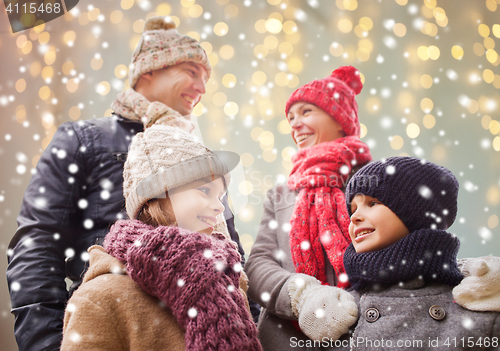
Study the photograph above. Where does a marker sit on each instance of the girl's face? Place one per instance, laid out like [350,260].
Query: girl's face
[198,205]
[311,125]
[373,225]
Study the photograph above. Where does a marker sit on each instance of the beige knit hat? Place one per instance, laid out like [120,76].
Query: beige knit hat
[162,46]
[163,158]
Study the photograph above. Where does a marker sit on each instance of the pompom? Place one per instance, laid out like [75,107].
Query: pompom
[156,23]
[350,76]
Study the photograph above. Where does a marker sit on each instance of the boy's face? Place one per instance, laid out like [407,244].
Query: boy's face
[311,125]
[198,205]
[373,225]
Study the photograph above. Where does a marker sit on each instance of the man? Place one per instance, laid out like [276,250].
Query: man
[77,191]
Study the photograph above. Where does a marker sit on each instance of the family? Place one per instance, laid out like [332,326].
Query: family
[135,214]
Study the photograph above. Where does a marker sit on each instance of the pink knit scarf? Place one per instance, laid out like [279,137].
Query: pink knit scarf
[320,219]
[195,275]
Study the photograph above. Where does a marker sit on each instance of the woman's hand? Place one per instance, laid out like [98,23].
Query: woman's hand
[480,289]
[322,311]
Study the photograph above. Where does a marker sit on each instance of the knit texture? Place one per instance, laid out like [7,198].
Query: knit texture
[161,46]
[163,158]
[322,311]
[422,194]
[132,105]
[426,253]
[335,95]
[195,275]
[480,289]
[320,218]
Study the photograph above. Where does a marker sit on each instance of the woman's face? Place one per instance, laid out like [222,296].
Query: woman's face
[198,205]
[311,125]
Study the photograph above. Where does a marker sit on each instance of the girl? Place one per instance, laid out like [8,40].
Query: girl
[165,279]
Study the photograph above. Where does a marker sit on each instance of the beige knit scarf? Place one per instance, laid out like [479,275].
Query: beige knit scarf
[132,105]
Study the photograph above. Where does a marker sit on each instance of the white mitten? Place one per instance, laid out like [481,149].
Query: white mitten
[480,289]
[322,311]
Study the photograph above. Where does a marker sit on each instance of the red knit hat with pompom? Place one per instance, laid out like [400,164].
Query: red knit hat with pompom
[335,95]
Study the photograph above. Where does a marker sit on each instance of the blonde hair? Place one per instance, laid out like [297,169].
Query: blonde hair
[156,212]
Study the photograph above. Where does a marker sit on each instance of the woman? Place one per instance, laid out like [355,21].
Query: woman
[295,268]
[165,280]
[304,225]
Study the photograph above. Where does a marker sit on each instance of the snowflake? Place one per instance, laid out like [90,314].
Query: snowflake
[343,278]
[192,312]
[75,337]
[105,194]
[390,169]
[305,245]
[106,184]
[425,192]
[467,323]
[237,267]
[88,223]
[61,154]
[320,313]
[69,252]
[83,203]
[117,269]
[273,224]
[220,266]
[40,202]
[28,242]
[325,237]
[485,233]
[15,286]
[71,307]
[470,187]
[265,296]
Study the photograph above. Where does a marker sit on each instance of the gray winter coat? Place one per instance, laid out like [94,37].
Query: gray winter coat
[421,317]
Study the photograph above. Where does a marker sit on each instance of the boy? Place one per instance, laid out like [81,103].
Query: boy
[402,262]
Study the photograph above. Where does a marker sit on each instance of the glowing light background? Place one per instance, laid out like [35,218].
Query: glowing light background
[431,89]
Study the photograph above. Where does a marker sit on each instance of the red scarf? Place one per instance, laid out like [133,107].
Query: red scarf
[320,219]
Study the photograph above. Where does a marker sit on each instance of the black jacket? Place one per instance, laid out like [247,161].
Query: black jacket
[70,203]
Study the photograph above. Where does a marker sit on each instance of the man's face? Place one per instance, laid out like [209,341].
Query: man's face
[179,86]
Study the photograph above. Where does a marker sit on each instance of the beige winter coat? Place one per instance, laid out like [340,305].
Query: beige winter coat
[109,311]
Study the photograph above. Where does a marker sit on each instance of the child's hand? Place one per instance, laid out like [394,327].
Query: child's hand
[480,289]
[322,311]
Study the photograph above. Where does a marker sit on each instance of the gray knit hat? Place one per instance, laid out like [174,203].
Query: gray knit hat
[161,46]
[163,158]
[422,194]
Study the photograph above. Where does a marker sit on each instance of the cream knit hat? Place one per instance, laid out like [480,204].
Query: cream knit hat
[163,158]
[161,46]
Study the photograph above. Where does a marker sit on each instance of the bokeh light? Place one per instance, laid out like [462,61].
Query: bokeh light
[430,87]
